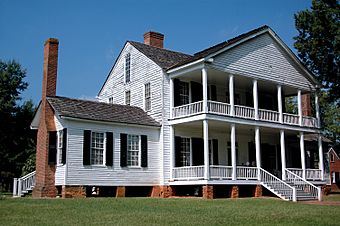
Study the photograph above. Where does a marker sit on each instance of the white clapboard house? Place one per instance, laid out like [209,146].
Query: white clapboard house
[212,124]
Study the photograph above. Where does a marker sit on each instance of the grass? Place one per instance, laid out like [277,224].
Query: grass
[335,196]
[174,211]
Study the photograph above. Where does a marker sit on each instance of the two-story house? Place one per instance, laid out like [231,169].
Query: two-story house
[212,124]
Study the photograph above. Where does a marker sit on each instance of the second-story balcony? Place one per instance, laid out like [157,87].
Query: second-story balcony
[220,108]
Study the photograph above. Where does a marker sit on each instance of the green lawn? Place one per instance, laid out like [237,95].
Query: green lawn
[173,211]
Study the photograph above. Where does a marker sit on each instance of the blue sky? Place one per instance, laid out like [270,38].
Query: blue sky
[92,33]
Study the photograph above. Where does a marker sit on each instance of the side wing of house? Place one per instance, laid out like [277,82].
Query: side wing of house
[137,77]
[263,58]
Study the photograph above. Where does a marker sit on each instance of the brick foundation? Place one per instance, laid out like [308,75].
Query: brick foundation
[258,191]
[73,192]
[234,192]
[208,191]
[120,191]
[161,192]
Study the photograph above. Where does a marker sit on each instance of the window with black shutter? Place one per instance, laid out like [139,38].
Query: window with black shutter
[123,150]
[64,146]
[52,147]
[144,151]
[87,147]
[109,148]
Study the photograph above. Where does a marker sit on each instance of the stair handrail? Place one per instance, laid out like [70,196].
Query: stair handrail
[291,195]
[23,184]
[299,181]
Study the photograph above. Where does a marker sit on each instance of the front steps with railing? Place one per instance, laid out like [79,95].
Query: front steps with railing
[23,185]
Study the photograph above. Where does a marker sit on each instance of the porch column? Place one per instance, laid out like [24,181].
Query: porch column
[317,110]
[205,89]
[279,103]
[233,150]
[231,95]
[206,148]
[283,153]
[258,150]
[321,167]
[172,150]
[256,100]
[171,96]
[299,107]
[303,159]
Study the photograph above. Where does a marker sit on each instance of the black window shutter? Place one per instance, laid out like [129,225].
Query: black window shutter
[196,91]
[87,147]
[144,144]
[123,150]
[52,147]
[197,151]
[176,93]
[63,154]
[177,151]
[213,93]
[109,148]
[215,151]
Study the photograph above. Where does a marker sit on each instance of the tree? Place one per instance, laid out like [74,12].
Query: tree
[318,43]
[17,141]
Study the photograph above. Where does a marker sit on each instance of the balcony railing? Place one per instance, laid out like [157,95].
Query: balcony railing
[246,173]
[221,172]
[311,174]
[240,112]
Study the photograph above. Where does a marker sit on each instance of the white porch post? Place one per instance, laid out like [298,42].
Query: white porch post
[256,100]
[279,103]
[321,167]
[15,187]
[303,159]
[206,148]
[205,89]
[317,110]
[171,97]
[231,95]
[258,150]
[283,154]
[172,151]
[233,150]
[299,107]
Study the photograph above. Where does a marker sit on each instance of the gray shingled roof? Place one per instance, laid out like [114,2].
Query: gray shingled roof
[99,111]
[162,57]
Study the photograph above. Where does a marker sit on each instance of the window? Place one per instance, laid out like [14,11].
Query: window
[183,93]
[127,67]
[127,97]
[185,152]
[60,147]
[110,100]
[332,157]
[133,150]
[97,148]
[147,100]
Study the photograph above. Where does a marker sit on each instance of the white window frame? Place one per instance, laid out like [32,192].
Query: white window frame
[104,149]
[139,155]
[147,98]
[127,100]
[332,157]
[181,83]
[110,100]
[189,160]
[60,135]
[127,76]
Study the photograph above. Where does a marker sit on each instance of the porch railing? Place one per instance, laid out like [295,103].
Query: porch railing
[305,189]
[219,107]
[247,173]
[311,174]
[221,172]
[188,172]
[309,121]
[244,112]
[290,119]
[23,184]
[267,115]
[187,109]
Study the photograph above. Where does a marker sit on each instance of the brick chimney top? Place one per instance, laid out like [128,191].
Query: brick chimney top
[50,67]
[52,41]
[154,39]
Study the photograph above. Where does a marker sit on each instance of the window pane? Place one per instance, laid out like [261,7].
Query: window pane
[184,93]
[127,67]
[185,152]
[133,150]
[97,148]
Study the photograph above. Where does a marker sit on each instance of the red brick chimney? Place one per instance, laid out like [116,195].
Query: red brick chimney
[154,39]
[306,105]
[45,164]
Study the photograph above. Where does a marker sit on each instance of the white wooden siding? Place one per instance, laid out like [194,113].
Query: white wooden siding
[60,172]
[264,59]
[143,70]
[78,174]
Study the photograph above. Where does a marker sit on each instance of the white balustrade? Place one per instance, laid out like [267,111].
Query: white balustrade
[302,185]
[244,112]
[311,174]
[246,173]
[188,172]
[221,172]
[290,119]
[23,184]
[267,115]
[187,109]
[218,107]
[309,121]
